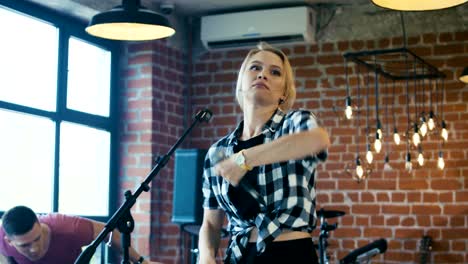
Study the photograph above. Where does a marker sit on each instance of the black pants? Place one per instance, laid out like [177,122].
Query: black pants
[299,251]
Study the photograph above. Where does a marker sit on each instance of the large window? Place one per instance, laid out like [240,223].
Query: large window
[27,155]
[28,52]
[57,119]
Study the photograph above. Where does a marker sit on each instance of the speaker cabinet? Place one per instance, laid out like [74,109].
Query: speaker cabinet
[187,205]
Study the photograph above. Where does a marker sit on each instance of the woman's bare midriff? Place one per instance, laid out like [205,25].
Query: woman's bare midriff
[284,236]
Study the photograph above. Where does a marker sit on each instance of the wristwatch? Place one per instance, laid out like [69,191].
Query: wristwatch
[240,160]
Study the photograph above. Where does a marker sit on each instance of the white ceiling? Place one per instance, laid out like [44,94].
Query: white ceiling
[336,19]
[85,9]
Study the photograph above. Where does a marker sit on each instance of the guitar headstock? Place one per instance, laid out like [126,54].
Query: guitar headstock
[425,246]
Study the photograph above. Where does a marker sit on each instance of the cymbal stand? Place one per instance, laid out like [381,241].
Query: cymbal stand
[323,243]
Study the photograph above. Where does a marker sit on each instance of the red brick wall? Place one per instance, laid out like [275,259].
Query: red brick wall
[396,205]
[152,104]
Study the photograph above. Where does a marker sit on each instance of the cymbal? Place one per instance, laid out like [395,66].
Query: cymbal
[195,230]
[329,213]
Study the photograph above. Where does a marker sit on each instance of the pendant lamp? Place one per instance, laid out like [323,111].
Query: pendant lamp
[130,21]
[464,75]
[417,5]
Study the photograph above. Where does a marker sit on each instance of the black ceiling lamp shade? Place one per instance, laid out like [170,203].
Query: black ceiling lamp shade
[131,22]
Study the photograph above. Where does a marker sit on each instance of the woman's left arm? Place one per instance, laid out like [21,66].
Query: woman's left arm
[289,147]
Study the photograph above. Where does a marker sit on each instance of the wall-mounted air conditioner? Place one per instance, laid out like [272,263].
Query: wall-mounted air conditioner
[279,25]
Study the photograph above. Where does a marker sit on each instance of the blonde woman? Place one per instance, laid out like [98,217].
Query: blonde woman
[262,175]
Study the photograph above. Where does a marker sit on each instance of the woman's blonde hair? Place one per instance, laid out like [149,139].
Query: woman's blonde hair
[290,87]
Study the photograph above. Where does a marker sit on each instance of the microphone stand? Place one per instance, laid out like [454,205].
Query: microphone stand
[122,219]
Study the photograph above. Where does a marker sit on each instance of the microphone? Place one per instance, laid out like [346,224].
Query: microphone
[204,115]
[368,255]
[366,252]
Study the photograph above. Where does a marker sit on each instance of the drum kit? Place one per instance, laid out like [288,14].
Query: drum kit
[325,228]
[357,256]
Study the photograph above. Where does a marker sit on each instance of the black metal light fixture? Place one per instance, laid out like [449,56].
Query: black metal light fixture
[130,21]
[378,133]
[396,136]
[387,166]
[417,5]
[430,121]
[359,170]
[348,108]
[408,164]
[416,137]
[423,123]
[404,66]
[369,155]
[443,124]
[464,76]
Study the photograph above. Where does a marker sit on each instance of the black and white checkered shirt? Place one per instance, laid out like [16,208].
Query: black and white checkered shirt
[286,193]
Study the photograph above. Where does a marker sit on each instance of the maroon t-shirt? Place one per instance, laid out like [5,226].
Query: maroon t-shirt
[68,234]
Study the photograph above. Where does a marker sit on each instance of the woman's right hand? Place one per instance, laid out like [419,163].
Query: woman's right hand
[230,170]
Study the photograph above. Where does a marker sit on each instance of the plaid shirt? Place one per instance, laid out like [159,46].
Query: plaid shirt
[286,190]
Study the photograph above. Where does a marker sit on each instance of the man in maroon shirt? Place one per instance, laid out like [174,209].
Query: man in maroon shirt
[26,238]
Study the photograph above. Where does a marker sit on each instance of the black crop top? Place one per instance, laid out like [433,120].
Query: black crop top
[246,205]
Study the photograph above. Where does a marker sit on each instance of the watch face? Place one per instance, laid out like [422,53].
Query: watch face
[239,159]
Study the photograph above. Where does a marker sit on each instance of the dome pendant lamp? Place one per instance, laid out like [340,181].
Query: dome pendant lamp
[417,5]
[464,75]
[130,21]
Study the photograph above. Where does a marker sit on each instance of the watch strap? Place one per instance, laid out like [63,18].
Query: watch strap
[243,165]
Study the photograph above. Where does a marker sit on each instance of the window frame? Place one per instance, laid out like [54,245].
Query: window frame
[72,27]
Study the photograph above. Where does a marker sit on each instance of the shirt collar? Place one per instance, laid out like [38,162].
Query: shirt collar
[269,128]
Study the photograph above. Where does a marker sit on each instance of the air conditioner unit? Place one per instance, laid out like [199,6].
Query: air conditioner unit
[279,25]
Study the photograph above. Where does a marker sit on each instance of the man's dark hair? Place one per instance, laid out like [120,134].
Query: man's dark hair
[18,220]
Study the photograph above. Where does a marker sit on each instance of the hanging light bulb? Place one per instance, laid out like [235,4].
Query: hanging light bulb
[408,165]
[423,128]
[444,132]
[396,136]
[369,155]
[420,158]
[378,137]
[416,137]
[440,161]
[430,122]
[348,109]
[379,129]
[387,166]
[377,143]
[359,169]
